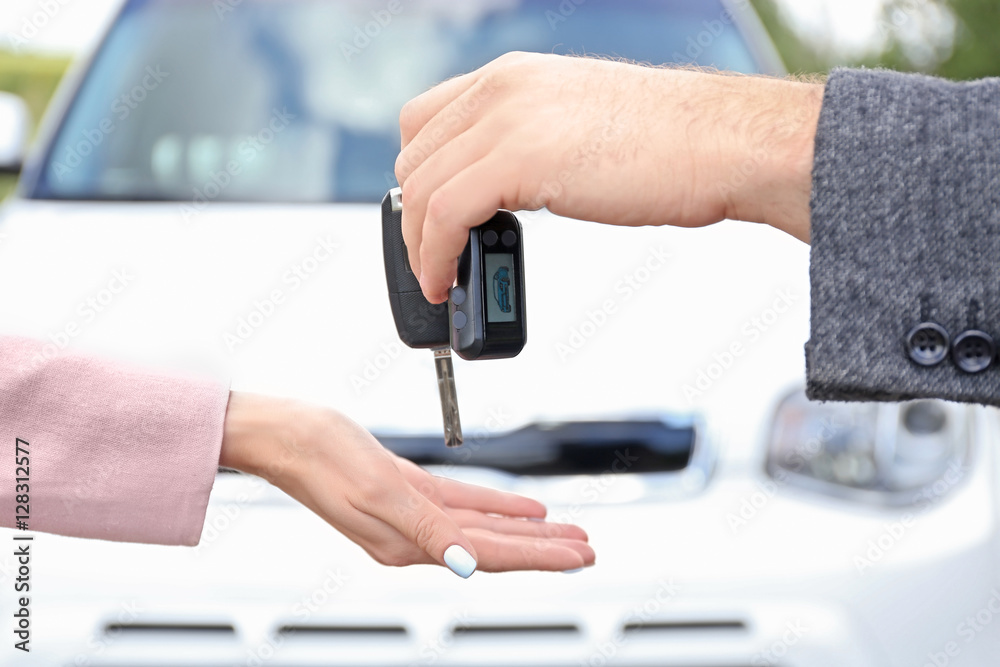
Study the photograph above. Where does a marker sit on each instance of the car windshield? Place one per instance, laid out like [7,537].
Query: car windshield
[298,101]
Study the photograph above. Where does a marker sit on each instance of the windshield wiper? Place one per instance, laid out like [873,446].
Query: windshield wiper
[563,448]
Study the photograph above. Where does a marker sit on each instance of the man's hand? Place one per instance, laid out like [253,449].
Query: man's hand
[603,141]
[396,511]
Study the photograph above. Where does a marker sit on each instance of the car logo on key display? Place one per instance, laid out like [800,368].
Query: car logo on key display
[501,288]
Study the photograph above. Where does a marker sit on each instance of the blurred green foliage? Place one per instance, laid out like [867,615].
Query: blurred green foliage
[34,78]
[951,38]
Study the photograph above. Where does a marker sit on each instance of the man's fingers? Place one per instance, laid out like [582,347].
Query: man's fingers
[469,199]
[453,157]
[418,111]
[441,129]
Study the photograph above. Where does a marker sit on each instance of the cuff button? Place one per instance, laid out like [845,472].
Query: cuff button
[927,344]
[973,351]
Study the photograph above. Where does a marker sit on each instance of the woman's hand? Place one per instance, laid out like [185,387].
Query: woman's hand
[396,511]
[603,141]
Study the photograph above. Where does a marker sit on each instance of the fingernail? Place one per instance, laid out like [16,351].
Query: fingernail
[579,569]
[460,561]
[536,519]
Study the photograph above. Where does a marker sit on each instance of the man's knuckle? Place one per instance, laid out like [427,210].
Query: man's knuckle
[402,166]
[409,118]
[411,188]
[439,206]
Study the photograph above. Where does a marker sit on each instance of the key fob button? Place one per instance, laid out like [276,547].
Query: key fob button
[459,320]
[457,296]
[509,238]
[489,237]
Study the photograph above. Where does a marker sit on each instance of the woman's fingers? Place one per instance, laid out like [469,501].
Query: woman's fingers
[503,553]
[424,524]
[460,495]
[507,526]
[469,496]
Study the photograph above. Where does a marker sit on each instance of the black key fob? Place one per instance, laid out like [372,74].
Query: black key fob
[420,323]
[487,305]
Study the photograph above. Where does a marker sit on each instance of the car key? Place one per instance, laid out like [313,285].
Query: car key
[487,302]
[420,323]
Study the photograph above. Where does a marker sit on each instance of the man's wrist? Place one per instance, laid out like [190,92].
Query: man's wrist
[776,155]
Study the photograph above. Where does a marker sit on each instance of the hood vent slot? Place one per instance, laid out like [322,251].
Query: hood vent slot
[687,626]
[373,632]
[171,630]
[499,631]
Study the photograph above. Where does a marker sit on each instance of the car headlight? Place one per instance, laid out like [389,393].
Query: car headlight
[887,453]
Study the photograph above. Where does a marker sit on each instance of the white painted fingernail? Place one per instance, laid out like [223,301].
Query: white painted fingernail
[460,561]
[579,569]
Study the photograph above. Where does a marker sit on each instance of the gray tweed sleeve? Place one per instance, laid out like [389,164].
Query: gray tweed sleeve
[905,258]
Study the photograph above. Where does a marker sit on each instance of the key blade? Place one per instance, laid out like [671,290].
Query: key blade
[449,397]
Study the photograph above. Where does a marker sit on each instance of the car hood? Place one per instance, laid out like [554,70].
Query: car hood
[291,300]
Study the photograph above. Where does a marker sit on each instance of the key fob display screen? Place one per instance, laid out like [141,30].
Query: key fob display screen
[487,303]
[501,300]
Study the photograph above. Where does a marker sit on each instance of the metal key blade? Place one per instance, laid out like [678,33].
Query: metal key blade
[449,397]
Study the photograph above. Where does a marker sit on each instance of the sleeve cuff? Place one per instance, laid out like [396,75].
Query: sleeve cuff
[905,240]
[117,453]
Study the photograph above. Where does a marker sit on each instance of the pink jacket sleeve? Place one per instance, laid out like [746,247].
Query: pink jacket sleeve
[116,453]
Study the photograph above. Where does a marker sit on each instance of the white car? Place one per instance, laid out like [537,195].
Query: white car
[204,197]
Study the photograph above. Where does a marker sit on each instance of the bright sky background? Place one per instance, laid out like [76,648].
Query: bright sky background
[73,27]
[77,23]
[853,24]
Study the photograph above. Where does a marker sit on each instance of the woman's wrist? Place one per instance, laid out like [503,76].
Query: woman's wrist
[252,432]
